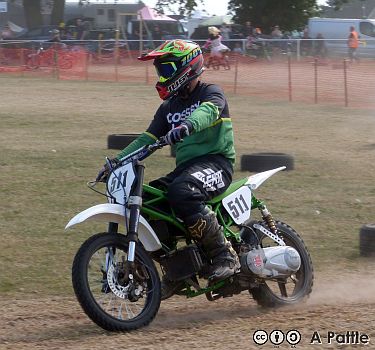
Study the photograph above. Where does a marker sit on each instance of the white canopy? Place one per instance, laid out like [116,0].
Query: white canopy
[147,14]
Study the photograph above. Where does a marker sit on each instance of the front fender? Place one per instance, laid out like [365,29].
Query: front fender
[116,213]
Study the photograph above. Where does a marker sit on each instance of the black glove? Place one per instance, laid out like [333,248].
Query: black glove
[104,171]
[177,134]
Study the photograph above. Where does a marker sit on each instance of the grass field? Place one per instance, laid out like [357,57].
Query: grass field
[53,140]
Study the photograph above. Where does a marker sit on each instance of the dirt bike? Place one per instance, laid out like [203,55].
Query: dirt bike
[116,277]
[50,57]
[216,61]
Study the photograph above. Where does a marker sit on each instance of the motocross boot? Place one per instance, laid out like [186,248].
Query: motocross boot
[169,288]
[205,229]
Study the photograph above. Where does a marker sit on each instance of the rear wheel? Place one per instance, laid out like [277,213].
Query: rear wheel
[115,295]
[286,291]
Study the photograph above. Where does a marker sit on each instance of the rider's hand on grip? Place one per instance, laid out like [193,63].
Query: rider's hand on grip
[104,171]
[177,134]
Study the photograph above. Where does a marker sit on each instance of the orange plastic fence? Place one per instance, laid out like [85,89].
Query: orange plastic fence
[308,80]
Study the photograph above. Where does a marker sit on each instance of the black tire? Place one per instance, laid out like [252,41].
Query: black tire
[94,301]
[367,240]
[266,161]
[120,141]
[265,296]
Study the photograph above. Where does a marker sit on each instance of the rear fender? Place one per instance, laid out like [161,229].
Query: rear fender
[116,213]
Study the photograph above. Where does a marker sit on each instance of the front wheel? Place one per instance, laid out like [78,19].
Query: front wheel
[33,61]
[115,295]
[286,291]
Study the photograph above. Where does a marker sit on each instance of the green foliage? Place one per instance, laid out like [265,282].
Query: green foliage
[185,7]
[337,4]
[288,14]
[33,12]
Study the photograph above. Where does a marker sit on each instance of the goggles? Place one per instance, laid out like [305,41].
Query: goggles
[166,70]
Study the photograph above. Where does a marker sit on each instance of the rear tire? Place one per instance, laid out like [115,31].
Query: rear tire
[267,297]
[100,286]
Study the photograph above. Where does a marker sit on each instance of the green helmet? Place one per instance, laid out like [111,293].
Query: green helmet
[176,62]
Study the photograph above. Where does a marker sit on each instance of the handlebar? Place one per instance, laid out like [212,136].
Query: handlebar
[139,154]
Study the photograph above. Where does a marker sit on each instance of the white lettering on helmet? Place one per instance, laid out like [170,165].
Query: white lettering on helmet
[176,84]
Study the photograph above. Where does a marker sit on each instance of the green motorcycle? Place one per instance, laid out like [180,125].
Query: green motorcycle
[116,276]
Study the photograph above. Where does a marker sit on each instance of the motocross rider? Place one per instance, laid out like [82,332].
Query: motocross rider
[197,114]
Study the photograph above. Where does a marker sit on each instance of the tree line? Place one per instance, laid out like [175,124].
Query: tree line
[288,14]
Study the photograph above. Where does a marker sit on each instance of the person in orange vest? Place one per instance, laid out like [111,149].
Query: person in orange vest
[353,42]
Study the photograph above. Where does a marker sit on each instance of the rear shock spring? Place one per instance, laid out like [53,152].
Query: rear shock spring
[267,217]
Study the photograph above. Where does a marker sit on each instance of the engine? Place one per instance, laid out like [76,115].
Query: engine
[279,261]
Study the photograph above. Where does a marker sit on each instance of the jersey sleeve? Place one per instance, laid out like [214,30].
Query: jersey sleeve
[157,128]
[213,103]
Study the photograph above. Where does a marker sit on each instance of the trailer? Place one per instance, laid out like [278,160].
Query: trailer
[335,32]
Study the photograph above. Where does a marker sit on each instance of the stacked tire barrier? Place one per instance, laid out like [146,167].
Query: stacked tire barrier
[265,161]
[120,141]
[367,240]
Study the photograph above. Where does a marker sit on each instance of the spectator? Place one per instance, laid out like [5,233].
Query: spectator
[157,35]
[353,43]
[56,40]
[238,49]
[6,33]
[276,33]
[214,44]
[82,29]
[249,30]
[225,31]
[63,34]
[305,43]
[320,49]
[55,36]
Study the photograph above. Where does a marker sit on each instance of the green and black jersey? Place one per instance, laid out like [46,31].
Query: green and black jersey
[208,112]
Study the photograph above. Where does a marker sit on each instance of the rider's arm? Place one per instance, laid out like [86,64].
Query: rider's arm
[156,129]
[210,109]
[141,141]
[207,44]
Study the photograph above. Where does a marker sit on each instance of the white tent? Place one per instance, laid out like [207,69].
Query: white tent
[148,13]
[15,28]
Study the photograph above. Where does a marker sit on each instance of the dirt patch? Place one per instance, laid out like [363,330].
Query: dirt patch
[55,323]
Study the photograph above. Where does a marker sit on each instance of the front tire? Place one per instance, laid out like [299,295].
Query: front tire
[110,299]
[274,293]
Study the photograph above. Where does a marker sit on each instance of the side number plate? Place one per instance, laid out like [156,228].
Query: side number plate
[238,204]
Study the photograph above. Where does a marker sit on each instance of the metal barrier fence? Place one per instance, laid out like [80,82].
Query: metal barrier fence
[276,72]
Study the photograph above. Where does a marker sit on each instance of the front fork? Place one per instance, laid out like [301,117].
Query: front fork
[135,204]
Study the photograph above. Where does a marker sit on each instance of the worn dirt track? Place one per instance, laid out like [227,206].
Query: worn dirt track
[54,323]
